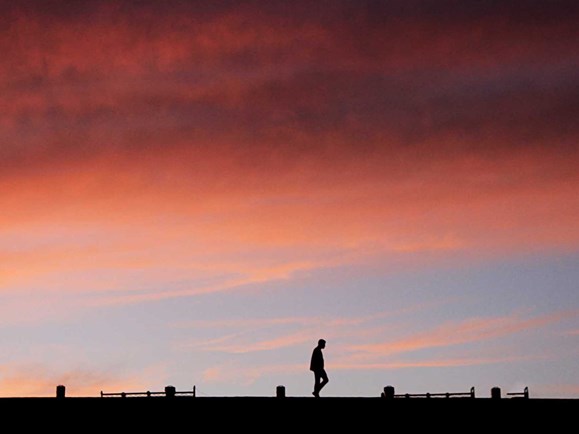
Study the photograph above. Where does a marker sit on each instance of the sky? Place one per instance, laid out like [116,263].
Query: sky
[192,193]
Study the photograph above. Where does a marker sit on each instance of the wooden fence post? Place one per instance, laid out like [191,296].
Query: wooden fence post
[170,391]
[60,391]
[388,392]
[280,392]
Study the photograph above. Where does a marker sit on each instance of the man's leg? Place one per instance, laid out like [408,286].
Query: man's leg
[324,380]
[317,383]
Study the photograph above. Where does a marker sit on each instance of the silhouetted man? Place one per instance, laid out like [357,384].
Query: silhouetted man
[317,366]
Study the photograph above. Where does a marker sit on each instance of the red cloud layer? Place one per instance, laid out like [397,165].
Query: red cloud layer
[193,135]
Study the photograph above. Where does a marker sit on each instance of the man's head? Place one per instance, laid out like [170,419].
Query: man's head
[322,343]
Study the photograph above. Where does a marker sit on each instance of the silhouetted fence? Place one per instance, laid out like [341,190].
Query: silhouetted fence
[389,393]
[169,392]
[524,394]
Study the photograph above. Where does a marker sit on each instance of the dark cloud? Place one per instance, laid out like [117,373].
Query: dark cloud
[82,78]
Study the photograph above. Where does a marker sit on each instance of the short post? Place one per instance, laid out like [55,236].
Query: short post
[60,391]
[526,393]
[280,392]
[170,391]
[496,393]
[388,392]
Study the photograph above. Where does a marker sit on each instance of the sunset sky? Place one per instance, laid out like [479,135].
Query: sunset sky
[195,192]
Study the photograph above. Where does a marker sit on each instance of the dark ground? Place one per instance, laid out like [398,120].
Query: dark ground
[291,414]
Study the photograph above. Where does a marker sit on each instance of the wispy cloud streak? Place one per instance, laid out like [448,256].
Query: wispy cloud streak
[457,333]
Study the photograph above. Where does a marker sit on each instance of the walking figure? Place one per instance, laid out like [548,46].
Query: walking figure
[317,366]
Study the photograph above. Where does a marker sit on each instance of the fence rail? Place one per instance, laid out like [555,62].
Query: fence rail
[169,392]
[389,393]
[523,394]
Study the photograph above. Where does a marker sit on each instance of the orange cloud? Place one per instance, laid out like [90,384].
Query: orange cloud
[215,148]
[262,229]
[34,380]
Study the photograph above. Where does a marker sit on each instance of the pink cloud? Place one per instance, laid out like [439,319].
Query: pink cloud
[457,333]
[249,323]
[291,331]
[284,341]
[371,356]
[249,375]
[429,363]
